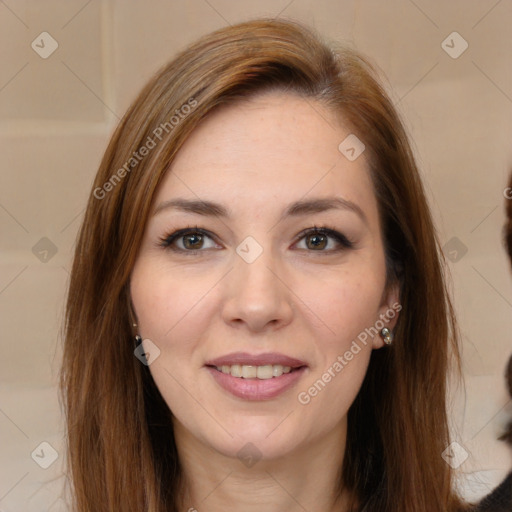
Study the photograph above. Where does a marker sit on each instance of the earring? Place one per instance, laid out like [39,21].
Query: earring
[138,340]
[387,335]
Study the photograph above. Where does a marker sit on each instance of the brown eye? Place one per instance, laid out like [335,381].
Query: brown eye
[192,241]
[324,240]
[317,241]
[188,240]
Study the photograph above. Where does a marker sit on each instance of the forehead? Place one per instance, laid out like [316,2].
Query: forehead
[266,151]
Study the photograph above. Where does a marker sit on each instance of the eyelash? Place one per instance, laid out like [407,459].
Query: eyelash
[167,241]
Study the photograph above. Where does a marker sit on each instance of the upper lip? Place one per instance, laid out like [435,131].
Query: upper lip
[244,358]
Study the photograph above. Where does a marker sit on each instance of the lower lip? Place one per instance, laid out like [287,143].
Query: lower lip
[256,389]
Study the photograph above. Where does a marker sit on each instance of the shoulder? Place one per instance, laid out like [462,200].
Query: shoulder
[499,500]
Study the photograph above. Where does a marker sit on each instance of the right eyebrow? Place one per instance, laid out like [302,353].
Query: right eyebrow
[206,208]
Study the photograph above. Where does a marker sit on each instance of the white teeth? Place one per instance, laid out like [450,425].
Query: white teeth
[236,370]
[252,372]
[249,372]
[265,372]
[277,370]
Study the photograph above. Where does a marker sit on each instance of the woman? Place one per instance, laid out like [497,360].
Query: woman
[259,224]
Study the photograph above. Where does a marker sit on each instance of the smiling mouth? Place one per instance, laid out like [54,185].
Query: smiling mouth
[265,372]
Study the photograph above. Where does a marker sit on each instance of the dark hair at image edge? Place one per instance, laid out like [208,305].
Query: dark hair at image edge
[507,240]
[121,450]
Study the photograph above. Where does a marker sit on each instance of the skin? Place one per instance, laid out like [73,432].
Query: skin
[256,157]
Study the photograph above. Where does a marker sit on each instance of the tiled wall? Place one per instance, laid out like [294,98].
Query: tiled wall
[58,109]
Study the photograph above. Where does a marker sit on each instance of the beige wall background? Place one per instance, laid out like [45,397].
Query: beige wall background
[57,111]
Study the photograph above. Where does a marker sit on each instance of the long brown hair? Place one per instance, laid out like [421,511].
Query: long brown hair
[121,450]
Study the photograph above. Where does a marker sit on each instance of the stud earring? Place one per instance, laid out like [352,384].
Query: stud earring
[387,335]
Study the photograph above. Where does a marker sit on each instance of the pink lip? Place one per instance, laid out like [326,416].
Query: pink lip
[256,389]
[256,360]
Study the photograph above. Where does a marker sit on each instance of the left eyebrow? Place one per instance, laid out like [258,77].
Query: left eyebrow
[322,204]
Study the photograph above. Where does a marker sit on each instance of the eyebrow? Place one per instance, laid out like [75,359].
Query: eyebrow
[295,209]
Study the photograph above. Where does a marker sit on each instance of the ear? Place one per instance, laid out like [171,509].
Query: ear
[389,311]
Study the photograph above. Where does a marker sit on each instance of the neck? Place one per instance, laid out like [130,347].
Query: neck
[307,479]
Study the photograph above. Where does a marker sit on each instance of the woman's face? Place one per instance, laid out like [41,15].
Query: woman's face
[264,326]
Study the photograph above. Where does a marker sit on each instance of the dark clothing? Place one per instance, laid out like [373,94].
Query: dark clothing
[500,500]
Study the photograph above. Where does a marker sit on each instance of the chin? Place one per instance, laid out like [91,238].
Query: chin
[259,438]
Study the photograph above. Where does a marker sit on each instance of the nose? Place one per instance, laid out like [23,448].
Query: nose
[257,295]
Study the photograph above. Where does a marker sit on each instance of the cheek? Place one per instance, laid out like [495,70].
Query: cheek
[342,355]
[165,302]
[343,312]
[166,311]
[345,307]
